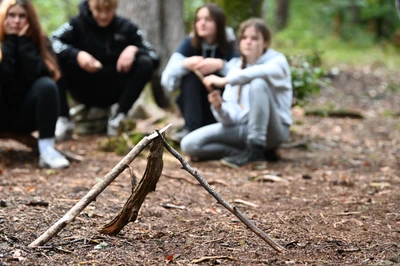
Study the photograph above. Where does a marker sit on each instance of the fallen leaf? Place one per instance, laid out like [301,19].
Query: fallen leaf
[270,178]
[172,206]
[169,258]
[102,245]
[17,255]
[380,184]
[49,172]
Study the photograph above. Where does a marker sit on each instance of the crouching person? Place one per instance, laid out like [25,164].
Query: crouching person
[104,60]
[28,70]
[254,112]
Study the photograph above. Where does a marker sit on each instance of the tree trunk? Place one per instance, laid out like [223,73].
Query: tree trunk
[238,10]
[282,13]
[162,23]
[356,11]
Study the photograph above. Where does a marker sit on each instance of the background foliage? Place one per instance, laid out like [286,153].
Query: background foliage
[353,32]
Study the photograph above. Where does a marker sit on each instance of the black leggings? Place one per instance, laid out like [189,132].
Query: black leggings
[105,87]
[193,103]
[39,110]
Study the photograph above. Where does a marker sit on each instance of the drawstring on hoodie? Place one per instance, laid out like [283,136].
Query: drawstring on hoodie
[211,47]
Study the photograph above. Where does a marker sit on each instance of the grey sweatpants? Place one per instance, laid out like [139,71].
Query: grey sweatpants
[264,128]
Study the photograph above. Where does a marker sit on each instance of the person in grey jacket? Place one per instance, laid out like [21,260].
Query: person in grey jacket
[205,51]
[254,112]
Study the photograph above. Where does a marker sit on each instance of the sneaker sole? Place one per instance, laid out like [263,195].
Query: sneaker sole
[44,165]
[231,165]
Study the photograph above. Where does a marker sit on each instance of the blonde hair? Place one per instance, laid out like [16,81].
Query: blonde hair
[105,3]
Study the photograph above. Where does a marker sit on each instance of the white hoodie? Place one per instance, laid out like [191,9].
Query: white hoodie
[273,67]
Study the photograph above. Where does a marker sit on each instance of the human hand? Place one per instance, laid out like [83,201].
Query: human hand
[190,62]
[213,80]
[209,65]
[24,30]
[215,99]
[126,59]
[87,62]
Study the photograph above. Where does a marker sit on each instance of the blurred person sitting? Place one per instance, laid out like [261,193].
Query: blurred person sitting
[206,50]
[104,60]
[254,111]
[28,71]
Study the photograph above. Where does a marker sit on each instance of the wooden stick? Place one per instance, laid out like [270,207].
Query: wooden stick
[201,77]
[95,191]
[219,198]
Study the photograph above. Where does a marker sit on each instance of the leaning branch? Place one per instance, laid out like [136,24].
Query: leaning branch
[95,191]
[218,197]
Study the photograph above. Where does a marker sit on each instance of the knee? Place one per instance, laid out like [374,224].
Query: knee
[192,83]
[188,145]
[45,86]
[185,145]
[190,77]
[259,85]
[144,64]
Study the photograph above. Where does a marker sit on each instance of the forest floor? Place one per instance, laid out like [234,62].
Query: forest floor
[337,203]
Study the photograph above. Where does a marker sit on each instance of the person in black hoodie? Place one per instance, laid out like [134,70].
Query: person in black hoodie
[104,60]
[205,51]
[28,70]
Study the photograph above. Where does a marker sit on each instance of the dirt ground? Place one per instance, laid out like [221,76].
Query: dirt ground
[337,202]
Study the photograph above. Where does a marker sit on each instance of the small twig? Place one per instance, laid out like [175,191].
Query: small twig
[64,250]
[348,213]
[218,197]
[348,250]
[71,156]
[280,219]
[212,258]
[181,178]
[88,262]
[212,241]
[201,78]
[248,203]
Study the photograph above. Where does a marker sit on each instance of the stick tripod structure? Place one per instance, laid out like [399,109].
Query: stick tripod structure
[147,184]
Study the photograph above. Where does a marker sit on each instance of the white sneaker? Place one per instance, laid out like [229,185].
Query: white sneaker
[51,158]
[113,124]
[64,128]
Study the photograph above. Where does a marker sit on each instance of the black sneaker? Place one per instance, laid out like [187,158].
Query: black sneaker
[272,155]
[252,153]
[178,136]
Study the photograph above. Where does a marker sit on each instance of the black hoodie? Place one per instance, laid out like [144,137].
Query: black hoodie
[21,65]
[105,44]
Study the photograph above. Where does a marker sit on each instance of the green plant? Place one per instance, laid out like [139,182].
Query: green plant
[307,76]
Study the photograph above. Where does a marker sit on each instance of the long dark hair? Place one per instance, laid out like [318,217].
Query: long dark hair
[218,15]
[35,33]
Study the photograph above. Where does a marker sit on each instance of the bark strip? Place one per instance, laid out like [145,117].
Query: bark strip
[146,185]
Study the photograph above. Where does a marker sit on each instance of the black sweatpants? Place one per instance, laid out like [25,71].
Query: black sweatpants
[38,111]
[193,103]
[105,87]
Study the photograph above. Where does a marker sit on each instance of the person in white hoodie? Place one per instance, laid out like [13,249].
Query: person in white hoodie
[254,112]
